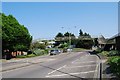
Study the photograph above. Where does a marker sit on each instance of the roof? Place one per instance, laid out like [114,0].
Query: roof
[102,40]
[117,35]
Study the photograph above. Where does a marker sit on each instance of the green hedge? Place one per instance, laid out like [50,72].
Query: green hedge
[26,56]
[113,53]
[114,63]
[36,53]
[104,53]
[108,53]
[98,50]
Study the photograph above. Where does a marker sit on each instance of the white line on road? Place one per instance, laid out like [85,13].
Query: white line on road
[75,60]
[84,62]
[70,74]
[56,69]
[80,66]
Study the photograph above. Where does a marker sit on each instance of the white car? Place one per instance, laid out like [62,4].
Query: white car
[69,50]
[54,52]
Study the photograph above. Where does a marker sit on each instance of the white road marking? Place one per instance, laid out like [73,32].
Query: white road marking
[80,66]
[71,74]
[75,60]
[56,69]
[84,62]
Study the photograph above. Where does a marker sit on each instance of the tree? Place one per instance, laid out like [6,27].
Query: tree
[81,33]
[67,34]
[84,35]
[59,35]
[14,35]
[37,45]
[63,45]
[87,44]
[72,35]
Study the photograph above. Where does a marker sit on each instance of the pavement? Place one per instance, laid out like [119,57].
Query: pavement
[67,65]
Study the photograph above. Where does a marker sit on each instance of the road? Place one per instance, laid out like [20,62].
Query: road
[67,65]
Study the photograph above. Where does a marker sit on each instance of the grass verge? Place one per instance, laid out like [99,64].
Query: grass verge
[78,49]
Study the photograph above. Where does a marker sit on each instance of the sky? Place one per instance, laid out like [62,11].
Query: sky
[45,19]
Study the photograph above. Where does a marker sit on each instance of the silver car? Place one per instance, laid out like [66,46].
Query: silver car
[54,52]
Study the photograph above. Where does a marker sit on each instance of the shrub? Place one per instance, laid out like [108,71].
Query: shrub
[26,56]
[114,63]
[65,49]
[37,52]
[105,53]
[63,45]
[44,52]
[98,50]
[31,55]
[113,53]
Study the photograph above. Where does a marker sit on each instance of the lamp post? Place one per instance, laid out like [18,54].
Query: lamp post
[69,38]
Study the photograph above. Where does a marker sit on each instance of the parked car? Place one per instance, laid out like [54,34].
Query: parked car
[29,52]
[69,50]
[54,52]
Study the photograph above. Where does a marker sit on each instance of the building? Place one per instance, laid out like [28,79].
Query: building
[116,38]
[106,44]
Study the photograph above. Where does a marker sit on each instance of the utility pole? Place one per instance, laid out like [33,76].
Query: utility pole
[69,38]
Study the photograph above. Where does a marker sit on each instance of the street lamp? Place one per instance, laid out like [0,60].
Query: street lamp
[69,38]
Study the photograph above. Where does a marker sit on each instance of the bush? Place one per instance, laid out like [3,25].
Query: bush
[63,45]
[26,56]
[105,53]
[31,55]
[98,50]
[38,45]
[42,46]
[37,52]
[21,56]
[114,63]
[65,49]
[44,52]
[114,53]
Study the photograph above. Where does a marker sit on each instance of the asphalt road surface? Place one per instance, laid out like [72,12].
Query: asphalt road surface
[64,65]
